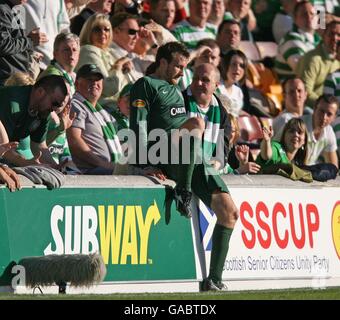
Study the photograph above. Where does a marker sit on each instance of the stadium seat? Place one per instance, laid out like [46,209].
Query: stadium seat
[267,49]
[250,134]
[250,129]
[251,50]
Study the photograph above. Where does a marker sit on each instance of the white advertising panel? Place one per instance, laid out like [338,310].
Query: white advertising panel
[280,234]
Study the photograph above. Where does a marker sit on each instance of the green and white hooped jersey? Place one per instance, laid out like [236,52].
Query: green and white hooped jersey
[190,35]
[293,46]
[212,119]
[332,84]
[185,81]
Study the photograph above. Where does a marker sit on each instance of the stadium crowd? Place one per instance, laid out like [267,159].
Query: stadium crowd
[259,80]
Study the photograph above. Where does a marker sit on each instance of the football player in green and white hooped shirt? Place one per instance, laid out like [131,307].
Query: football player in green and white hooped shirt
[157,103]
[196,27]
[296,43]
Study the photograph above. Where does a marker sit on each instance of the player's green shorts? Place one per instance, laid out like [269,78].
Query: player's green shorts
[205,180]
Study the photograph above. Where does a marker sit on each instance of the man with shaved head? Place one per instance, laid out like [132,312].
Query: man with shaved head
[201,102]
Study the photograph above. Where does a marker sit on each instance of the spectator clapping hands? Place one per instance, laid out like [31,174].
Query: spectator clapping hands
[242,154]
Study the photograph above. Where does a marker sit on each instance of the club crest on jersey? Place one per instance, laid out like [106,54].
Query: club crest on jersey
[139,103]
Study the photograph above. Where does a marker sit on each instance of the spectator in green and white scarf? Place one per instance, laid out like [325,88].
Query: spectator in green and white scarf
[92,138]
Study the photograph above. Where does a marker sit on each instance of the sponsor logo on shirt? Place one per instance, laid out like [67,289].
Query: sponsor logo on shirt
[139,103]
[177,110]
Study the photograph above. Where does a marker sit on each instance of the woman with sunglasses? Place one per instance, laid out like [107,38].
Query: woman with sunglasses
[292,148]
[95,41]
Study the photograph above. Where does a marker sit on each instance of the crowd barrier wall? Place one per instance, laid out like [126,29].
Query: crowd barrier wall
[288,233]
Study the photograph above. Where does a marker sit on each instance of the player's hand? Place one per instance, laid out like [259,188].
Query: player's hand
[154,172]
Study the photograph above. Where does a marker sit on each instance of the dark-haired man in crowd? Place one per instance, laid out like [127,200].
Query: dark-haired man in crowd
[25,111]
[321,137]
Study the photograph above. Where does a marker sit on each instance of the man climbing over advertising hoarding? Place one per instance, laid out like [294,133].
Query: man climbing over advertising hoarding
[157,103]
[25,113]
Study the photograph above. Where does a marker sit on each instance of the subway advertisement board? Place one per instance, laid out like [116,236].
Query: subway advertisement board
[280,234]
[127,226]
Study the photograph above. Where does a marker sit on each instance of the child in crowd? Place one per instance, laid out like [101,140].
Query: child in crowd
[238,154]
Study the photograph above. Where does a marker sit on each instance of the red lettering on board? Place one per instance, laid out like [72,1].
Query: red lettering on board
[265,226]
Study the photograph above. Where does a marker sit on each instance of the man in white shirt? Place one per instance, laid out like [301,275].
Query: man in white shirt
[321,137]
[51,18]
[295,96]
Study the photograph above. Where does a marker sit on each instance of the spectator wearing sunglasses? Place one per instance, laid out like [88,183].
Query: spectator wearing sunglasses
[95,40]
[126,32]
[24,113]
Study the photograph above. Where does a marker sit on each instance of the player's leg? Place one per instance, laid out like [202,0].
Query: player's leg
[211,189]
[226,211]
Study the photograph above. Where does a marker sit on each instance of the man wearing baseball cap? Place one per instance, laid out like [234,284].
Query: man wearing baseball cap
[92,138]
